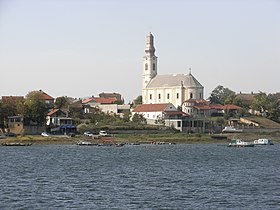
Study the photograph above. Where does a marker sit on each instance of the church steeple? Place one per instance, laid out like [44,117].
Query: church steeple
[149,61]
[150,49]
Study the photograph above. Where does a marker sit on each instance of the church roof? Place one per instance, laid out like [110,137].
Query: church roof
[151,107]
[175,80]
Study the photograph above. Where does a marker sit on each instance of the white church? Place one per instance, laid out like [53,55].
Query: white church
[172,88]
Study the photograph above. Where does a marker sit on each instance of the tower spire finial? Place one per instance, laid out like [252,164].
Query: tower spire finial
[150,49]
[190,70]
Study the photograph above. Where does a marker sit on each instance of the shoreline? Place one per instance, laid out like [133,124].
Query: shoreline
[178,138]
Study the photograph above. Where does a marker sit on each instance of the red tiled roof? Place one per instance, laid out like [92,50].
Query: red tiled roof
[87,100]
[231,106]
[12,99]
[52,112]
[100,100]
[176,113]
[46,96]
[216,106]
[150,107]
[206,107]
[105,100]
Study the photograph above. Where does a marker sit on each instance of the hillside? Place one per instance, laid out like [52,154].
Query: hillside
[263,122]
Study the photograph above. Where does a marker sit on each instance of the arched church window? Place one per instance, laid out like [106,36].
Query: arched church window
[177,95]
[167,95]
[150,96]
[158,96]
[191,95]
[154,66]
[200,96]
[146,66]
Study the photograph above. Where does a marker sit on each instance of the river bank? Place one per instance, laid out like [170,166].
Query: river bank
[180,138]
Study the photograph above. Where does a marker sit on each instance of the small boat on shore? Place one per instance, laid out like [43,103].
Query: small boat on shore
[240,143]
[16,144]
[86,143]
[263,142]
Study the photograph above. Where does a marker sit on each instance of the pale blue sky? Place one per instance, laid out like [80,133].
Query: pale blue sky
[80,48]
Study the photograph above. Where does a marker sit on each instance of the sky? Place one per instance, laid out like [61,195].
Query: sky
[80,48]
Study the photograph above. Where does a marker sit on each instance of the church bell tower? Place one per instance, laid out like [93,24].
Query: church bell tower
[149,61]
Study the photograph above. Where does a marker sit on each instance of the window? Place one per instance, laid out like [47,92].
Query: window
[167,95]
[154,66]
[191,95]
[158,96]
[177,95]
[146,66]
[150,96]
[200,96]
[178,124]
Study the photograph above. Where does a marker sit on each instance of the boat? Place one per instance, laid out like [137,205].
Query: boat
[16,144]
[86,143]
[240,143]
[231,129]
[119,144]
[263,142]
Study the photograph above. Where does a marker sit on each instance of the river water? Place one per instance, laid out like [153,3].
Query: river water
[182,176]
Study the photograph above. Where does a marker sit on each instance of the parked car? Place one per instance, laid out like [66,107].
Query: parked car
[103,133]
[45,134]
[87,133]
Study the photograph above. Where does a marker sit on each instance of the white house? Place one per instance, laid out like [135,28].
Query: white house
[165,112]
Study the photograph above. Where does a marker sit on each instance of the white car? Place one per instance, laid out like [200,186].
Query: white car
[103,133]
[88,134]
[45,134]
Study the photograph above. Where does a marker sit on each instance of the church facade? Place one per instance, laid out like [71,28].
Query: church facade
[174,88]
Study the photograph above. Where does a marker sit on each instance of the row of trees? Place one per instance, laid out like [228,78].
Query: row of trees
[33,107]
[265,104]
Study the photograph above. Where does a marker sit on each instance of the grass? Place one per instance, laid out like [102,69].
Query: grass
[144,138]
[264,122]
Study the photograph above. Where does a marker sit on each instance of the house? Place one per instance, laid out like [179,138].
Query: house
[22,126]
[12,99]
[165,113]
[202,108]
[108,104]
[59,122]
[112,95]
[49,100]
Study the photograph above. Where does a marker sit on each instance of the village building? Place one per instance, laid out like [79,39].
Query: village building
[161,114]
[173,88]
[59,122]
[106,105]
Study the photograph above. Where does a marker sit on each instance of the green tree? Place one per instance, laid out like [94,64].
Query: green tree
[222,95]
[35,107]
[61,102]
[137,101]
[268,105]
[139,118]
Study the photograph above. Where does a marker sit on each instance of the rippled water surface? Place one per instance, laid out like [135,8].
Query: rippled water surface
[140,177]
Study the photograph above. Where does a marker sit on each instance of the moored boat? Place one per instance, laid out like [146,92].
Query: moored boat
[263,142]
[240,143]
[86,143]
[16,144]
